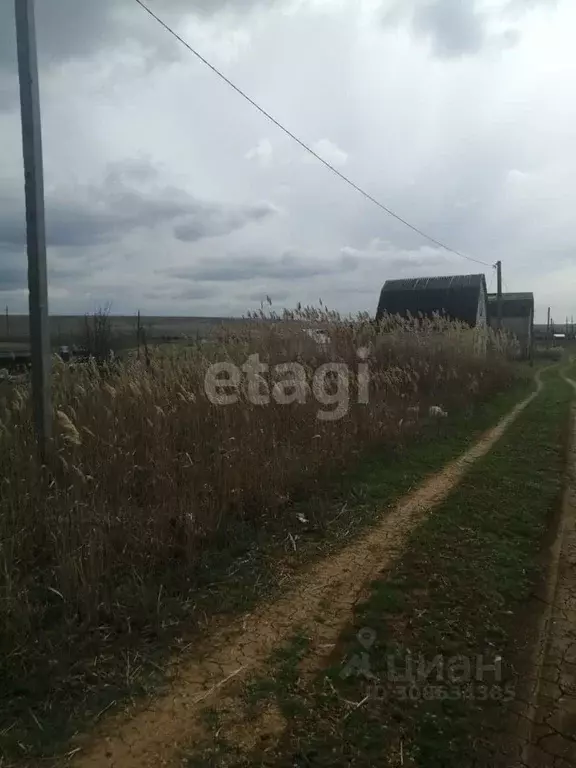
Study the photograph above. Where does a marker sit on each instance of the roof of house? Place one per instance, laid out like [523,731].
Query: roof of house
[513,304]
[454,296]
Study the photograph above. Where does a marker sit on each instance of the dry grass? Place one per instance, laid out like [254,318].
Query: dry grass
[146,474]
[548,353]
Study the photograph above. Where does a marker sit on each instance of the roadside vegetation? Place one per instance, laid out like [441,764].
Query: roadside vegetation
[159,508]
[551,353]
[571,368]
[461,590]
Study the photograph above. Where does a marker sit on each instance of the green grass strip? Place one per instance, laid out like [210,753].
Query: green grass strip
[571,368]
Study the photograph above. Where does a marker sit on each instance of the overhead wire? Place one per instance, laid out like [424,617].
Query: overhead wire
[303,144]
[490,282]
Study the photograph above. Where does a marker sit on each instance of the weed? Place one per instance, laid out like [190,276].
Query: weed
[154,506]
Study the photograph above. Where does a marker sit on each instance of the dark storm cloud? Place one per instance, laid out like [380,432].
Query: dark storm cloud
[92,215]
[12,276]
[14,270]
[69,29]
[210,220]
[290,266]
[457,28]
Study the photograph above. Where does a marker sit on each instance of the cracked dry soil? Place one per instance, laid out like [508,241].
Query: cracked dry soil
[152,734]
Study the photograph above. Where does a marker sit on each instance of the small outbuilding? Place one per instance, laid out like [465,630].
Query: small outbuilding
[517,317]
[458,297]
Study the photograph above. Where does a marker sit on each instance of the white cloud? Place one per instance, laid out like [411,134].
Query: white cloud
[328,151]
[262,152]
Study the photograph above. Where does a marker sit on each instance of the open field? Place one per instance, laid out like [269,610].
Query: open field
[68,329]
[163,513]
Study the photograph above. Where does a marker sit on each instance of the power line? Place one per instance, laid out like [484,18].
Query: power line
[490,282]
[305,146]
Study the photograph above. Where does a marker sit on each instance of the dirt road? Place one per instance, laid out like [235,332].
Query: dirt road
[322,602]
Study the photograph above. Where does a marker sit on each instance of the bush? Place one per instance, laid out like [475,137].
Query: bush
[549,353]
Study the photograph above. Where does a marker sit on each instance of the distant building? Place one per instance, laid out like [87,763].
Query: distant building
[517,317]
[461,297]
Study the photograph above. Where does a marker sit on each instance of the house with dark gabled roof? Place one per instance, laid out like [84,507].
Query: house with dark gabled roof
[459,297]
[517,317]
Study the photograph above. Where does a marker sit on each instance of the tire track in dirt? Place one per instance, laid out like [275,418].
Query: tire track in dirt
[551,714]
[329,589]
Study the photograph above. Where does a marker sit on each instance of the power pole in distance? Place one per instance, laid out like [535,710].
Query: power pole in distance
[548,328]
[499,294]
[35,225]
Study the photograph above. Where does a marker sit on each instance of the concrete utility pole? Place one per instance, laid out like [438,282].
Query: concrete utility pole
[7,322]
[548,328]
[499,294]
[35,225]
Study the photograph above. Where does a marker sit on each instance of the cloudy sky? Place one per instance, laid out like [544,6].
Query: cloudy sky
[167,192]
